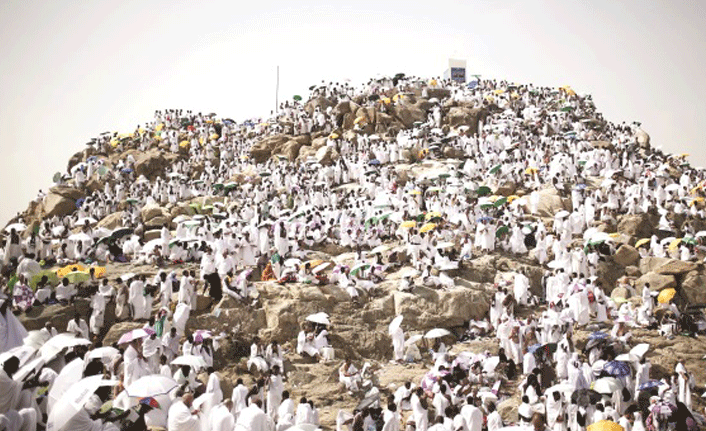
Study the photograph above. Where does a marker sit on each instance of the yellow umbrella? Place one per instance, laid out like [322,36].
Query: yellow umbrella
[408,224]
[397,97]
[604,425]
[214,136]
[696,200]
[157,138]
[684,155]
[641,242]
[159,127]
[489,98]
[674,244]
[431,215]
[314,263]
[432,83]
[244,157]
[512,198]
[184,144]
[427,227]
[415,192]
[530,170]
[201,141]
[114,142]
[498,91]
[385,100]
[514,95]
[334,136]
[666,295]
[360,120]
[209,121]
[70,268]
[423,153]
[614,235]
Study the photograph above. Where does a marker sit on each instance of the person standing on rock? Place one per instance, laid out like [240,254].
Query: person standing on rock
[98,303]
[210,275]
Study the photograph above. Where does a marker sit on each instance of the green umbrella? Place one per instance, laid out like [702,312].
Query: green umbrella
[483,191]
[361,267]
[76,277]
[218,186]
[486,206]
[502,230]
[689,240]
[12,282]
[36,278]
[582,162]
[495,169]
[498,203]
[567,109]
[230,186]
[297,97]
[444,175]
[265,174]
[57,177]
[131,200]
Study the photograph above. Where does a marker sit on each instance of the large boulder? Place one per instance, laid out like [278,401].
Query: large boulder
[263,150]
[643,139]
[118,329]
[693,287]
[67,192]
[638,225]
[657,281]
[152,211]
[550,203]
[427,308]
[317,102]
[466,116]
[407,114]
[152,163]
[676,267]
[57,205]
[326,156]
[291,150]
[626,255]
[649,264]
[112,221]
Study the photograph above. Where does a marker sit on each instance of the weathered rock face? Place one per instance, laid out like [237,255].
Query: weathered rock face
[155,216]
[152,163]
[326,156]
[426,308]
[318,102]
[676,267]
[264,149]
[112,221]
[466,116]
[626,255]
[694,287]
[657,281]
[550,203]
[407,114]
[56,205]
[643,139]
[637,226]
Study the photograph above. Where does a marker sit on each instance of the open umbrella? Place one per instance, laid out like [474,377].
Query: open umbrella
[73,401]
[617,368]
[650,384]
[201,334]
[69,374]
[607,385]
[70,268]
[562,214]
[76,277]
[135,334]
[320,318]
[604,425]
[437,333]
[58,343]
[53,279]
[483,191]
[413,339]
[408,224]
[666,295]
[359,267]
[597,335]
[192,361]
[18,227]
[321,267]
[395,324]
[151,386]
[105,353]
[427,227]
[641,242]
[502,230]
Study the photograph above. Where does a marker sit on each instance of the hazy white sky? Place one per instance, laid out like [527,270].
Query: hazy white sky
[73,69]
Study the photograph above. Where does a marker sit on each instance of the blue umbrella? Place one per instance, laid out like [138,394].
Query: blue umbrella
[80,202]
[598,336]
[484,219]
[649,385]
[581,186]
[374,162]
[617,368]
[126,170]
[534,348]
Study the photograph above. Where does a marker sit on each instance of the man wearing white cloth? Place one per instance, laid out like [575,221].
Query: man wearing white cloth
[181,417]
[252,418]
[15,401]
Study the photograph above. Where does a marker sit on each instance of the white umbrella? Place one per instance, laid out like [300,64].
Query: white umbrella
[701,233]
[192,361]
[627,357]
[303,427]
[28,369]
[105,353]
[672,187]
[19,227]
[640,350]
[36,339]
[562,214]
[82,221]
[321,267]
[292,262]
[413,339]
[491,363]
[380,249]
[445,244]
[80,237]
[320,317]
[135,334]
[607,385]
[24,353]
[561,387]
[58,343]
[74,400]
[437,333]
[395,324]
[70,374]
[151,386]
[127,276]
[181,218]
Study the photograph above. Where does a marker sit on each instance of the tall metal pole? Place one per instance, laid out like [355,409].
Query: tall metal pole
[277,93]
